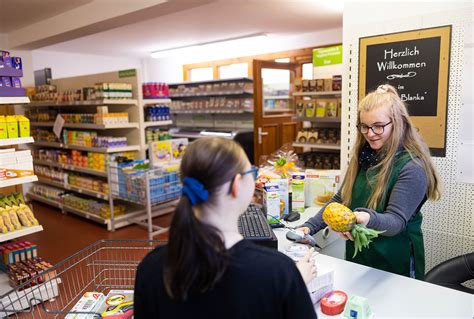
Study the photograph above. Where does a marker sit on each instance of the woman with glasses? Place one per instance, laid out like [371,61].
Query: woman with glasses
[389,178]
[207,270]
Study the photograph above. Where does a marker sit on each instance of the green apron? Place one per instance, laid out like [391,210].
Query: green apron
[389,253]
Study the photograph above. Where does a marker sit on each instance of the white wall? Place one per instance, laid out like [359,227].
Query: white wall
[171,69]
[448,224]
[71,64]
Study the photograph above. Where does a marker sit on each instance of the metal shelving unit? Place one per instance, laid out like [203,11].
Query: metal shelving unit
[85,103]
[73,188]
[16,141]
[70,167]
[129,148]
[325,93]
[88,126]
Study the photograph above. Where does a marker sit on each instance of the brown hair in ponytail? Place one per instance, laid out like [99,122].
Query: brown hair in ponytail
[197,257]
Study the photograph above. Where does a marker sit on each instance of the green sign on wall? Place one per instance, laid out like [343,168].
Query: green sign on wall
[327,56]
[127,73]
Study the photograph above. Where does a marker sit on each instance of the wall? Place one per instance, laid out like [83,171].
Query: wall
[448,224]
[72,64]
[171,69]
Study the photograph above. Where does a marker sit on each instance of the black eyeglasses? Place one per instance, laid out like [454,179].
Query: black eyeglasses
[253,170]
[376,129]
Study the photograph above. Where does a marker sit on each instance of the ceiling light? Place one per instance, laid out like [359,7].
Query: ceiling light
[207,45]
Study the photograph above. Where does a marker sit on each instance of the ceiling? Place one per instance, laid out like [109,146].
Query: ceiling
[15,14]
[177,23]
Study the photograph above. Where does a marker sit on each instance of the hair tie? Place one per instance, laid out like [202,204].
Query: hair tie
[382,89]
[195,191]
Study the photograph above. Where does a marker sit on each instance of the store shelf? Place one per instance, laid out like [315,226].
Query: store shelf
[277,97]
[85,214]
[195,83]
[20,301]
[87,103]
[325,93]
[212,94]
[18,181]
[278,110]
[70,167]
[14,100]
[157,101]
[45,200]
[87,126]
[73,188]
[129,148]
[211,111]
[158,123]
[20,233]
[318,119]
[16,141]
[318,146]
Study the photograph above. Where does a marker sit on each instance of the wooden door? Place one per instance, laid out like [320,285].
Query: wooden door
[273,106]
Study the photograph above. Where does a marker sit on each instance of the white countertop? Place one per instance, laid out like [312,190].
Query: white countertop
[389,295]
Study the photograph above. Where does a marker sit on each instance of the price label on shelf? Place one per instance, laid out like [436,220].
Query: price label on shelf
[58,125]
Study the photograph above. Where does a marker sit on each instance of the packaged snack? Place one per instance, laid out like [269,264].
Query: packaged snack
[300,109]
[305,85]
[312,85]
[313,136]
[319,85]
[336,82]
[302,136]
[309,109]
[89,302]
[320,108]
[327,85]
[297,189]
[331,108]
[320,186]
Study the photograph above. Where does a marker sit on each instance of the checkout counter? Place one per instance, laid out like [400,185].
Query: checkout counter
[389,295]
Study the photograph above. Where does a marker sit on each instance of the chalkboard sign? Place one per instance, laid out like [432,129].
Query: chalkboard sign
[417,64]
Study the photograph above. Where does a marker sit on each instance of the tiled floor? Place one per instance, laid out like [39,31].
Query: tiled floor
[63,235]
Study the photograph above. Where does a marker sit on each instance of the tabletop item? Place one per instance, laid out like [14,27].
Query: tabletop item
[357,308]
[341,219]
[333,302]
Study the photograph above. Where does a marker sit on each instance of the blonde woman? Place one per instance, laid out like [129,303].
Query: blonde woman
[389,178]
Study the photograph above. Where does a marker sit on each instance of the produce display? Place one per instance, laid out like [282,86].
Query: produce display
[14,213]
[341,219]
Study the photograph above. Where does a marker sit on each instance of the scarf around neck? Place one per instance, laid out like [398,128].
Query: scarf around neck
[368,157]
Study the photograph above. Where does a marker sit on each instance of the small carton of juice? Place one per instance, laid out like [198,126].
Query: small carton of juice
[23,125]
[3,127]
[271,202]
[297,188]
[12,126]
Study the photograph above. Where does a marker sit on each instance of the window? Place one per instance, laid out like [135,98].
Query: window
[307,71]
[201,74]
[236,70]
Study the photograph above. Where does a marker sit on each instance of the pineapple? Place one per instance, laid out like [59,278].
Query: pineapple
[341,219]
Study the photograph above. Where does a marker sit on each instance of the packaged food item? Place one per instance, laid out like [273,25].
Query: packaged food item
[12,126]
[271,202]
[302,136]
[327,85]
[300,109]
[319,85]
[337,82]
[312,85]
[313,136]
[298,85]
[320,186]
[297,190]
[283,193]
[305,85]
[3,127]
[89,302]
[321,108]
[309,109]
[331,108]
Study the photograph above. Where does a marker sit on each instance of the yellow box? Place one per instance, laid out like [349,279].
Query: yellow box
[23,125]
[12,126]
[3,127]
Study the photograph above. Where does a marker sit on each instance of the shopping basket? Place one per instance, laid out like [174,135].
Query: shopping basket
[100,267]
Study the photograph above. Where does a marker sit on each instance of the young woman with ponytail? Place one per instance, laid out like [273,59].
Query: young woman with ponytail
[389,178]
[207,270]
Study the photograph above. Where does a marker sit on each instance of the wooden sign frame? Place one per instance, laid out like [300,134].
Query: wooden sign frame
[433,127]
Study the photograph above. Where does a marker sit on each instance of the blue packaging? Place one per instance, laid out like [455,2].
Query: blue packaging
[16,63]
[16,83]
[6,82]
[4,54]
[7,61]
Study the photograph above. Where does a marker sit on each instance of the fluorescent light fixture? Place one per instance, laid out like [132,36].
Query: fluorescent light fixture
[208,45]
[221,134]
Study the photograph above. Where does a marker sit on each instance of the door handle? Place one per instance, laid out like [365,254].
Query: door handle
[260,134]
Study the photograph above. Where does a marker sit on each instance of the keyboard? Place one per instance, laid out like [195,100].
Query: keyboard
[253,226]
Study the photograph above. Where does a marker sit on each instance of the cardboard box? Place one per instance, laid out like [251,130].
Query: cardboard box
[3,127]
[12,126]
[327,85]
[271,202]
[89,302]
[320,186]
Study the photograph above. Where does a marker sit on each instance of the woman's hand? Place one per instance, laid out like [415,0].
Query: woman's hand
[304,229]
[307,267]
[361,218]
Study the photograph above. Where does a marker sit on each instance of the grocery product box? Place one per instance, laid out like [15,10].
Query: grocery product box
[271,202]
[89,302]
[117,304]
[320,186]
[297,189]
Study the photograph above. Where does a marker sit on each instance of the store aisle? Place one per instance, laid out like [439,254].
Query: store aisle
[64,235]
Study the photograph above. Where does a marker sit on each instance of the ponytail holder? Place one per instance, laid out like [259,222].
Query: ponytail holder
[382,88]
[194,191]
